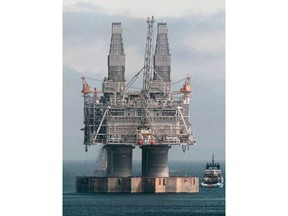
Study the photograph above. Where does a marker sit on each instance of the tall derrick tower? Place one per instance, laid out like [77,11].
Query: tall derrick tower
[162,57]
[151,119]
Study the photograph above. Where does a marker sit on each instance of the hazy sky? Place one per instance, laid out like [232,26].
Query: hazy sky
[196,32]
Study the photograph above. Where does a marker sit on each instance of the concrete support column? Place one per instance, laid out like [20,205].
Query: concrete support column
[119,161]
[155,161]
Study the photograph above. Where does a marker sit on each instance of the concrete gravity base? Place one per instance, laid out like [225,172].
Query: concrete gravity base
[187,184]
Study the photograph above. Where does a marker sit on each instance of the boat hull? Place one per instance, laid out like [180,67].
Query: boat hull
[216,185]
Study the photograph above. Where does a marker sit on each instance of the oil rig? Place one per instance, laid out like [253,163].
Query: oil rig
[151,118]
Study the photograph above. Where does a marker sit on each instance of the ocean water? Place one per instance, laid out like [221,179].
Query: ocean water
[209,201]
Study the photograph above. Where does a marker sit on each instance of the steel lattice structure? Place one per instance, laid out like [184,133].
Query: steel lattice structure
[151,116]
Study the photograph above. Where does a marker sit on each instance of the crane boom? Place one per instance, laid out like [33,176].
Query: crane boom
[148,62]
[148,67]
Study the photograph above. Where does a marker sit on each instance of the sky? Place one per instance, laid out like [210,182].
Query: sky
[196,34]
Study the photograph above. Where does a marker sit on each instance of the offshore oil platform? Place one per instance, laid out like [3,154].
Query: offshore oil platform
[152,118]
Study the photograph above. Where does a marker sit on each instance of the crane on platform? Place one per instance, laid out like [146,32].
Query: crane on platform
[186,88]
[148,68]
[86,88]
[148,61]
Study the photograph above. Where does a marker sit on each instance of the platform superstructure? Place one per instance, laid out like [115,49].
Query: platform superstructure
[152,118]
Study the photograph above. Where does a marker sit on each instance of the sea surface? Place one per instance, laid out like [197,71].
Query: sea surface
[209,201]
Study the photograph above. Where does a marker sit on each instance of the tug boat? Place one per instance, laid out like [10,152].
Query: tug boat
[213,176]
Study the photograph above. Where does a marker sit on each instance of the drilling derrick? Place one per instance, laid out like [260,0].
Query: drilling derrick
[116,57]
[162,63]
[162,57]
[151,118]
